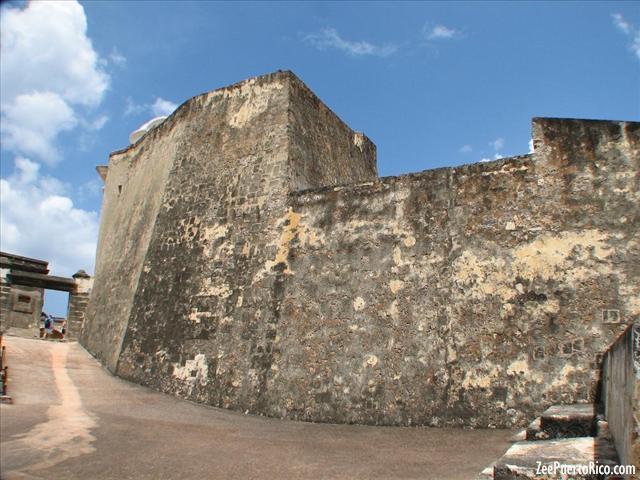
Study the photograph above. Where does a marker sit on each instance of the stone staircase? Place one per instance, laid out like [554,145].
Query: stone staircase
[566,434]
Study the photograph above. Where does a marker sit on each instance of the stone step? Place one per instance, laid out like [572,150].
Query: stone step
[487,473]
[534,431]
[525,459]
[564,421]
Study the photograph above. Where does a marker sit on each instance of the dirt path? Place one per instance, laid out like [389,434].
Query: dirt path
[72,420]
[65,434]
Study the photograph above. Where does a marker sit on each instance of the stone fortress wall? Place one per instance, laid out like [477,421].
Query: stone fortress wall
[250,258]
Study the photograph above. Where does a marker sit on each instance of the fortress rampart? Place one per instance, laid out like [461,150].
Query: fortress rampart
[250,258]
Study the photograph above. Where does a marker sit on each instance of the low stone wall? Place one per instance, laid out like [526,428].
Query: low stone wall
[621,394]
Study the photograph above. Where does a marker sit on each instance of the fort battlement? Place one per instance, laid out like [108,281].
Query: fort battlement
[251,258]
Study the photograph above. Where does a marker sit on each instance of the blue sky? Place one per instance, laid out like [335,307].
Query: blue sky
[432,84]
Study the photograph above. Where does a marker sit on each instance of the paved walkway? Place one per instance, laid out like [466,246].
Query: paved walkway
[71,419]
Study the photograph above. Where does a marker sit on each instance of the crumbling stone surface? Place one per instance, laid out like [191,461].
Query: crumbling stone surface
[189,265]
[471,295]
[476,295]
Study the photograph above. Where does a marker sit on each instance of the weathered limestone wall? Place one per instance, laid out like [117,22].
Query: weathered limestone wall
[209,284]
[621,394]
[24,305]
[476,295]
[20,305]
[323,150]
[205,289]
[132,193]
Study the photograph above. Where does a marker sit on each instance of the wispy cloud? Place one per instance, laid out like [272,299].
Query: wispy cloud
[95,124]
[90,189]
[440,32]
[621,23]
[497,144]
[159,107]
[466,149]
[630,30]
[133,108]
[329,38]
[117,58]
[163,107]
[497,156]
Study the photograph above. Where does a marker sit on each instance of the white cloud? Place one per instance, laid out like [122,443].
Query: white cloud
[26,171]
[159,107]
[466,149]
[440,32]
[629,30]
[116,58]
[90,189]
[497,144]
[39,220]
[97,123]
[621,23]
[163,107]
[497,156]
[330,38]
[49,70]
[31,123]
[531,145]
[133,108]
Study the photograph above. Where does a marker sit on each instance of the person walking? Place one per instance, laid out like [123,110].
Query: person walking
[48,325]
